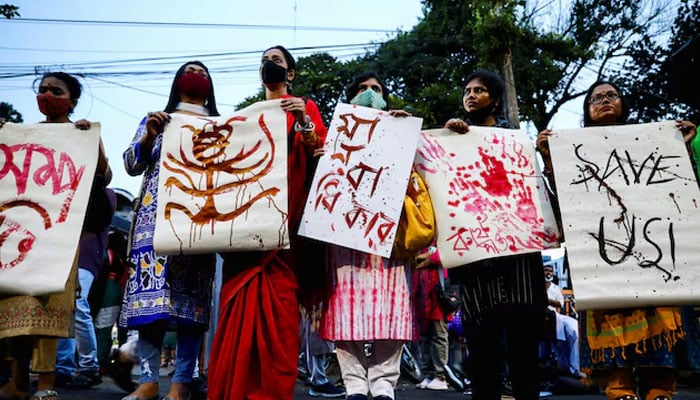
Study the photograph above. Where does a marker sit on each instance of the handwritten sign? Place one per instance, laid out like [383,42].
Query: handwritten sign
[44,189]
[223,182]
[629,204]
[485,191]
[357,192]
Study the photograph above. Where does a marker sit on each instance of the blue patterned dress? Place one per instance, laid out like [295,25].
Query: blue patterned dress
[174,289]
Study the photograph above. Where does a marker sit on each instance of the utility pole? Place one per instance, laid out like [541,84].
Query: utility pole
[511,95]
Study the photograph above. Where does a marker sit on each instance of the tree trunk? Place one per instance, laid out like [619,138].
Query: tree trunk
[511,97]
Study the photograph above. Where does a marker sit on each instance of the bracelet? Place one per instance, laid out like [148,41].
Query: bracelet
[308,127]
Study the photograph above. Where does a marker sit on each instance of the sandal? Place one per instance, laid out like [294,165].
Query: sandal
[627,397]
[47,394]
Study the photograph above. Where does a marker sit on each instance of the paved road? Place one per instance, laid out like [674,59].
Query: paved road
[406,391]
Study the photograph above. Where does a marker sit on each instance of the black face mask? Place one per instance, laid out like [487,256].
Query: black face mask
[273,73]
[479,116]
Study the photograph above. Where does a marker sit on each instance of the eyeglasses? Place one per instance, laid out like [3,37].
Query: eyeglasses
[598,98]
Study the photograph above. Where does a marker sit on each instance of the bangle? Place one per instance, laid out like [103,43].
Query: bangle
[308,127]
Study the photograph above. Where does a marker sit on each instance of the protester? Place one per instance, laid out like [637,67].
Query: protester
[257,339]
[511,308]
[566,340]
[31,325]
[645,337]
[368,331]
[431,321]
[165,290]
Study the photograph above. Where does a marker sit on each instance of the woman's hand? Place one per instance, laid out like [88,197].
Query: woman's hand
[399,113]
[543,147]
[319,152]
[297,107]
[82,124]
[688,129]
[422,260]
[155,124]
[457,125]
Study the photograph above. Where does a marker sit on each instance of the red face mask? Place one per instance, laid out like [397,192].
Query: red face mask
[194,85]
[52,106]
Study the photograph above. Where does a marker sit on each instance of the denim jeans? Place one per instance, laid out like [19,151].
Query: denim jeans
[85,341]
[148,349]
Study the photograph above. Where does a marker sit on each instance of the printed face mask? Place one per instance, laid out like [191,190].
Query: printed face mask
[52,106]
[369,98]
[194,85]
[273,73]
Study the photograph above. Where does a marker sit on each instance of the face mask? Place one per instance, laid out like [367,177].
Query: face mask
[479,116]
[52,106]
[194,85]
[369,98]
[273,73]
[549,278]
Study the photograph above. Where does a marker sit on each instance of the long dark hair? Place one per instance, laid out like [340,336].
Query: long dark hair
[354,87]
[622,119]
[495,85]
[74,86]
[291,62]
[174,99]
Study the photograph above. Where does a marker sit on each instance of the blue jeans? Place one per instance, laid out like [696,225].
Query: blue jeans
[85,341]
[148,349]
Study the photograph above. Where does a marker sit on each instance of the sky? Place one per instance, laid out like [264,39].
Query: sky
[227,35]
[135,48]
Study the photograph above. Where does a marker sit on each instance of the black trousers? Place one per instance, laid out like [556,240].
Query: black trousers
[506,333]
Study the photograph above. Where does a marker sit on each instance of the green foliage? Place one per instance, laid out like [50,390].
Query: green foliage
[9,11]
[556,54]
[9,114]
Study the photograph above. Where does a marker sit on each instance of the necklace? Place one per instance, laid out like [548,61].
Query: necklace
[193,108]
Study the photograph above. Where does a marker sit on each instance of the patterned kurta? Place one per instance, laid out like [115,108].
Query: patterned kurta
[370,299]
[177,288]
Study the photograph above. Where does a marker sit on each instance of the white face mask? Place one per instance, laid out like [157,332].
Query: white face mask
[549,278]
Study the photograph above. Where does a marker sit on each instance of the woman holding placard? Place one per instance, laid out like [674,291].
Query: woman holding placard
[257,340]
[621,344]
[503,299]
[166,290]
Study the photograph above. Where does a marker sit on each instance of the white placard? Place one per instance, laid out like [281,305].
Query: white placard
[358,190]
[46,172]
[484,189]
[629,202]
[223,182]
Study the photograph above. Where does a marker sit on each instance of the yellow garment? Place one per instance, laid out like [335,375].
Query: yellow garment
[417,223]
[49,315]
[609,329]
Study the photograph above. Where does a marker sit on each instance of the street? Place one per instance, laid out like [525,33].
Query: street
[405,391]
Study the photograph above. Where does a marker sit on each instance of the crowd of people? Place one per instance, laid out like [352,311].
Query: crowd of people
[504,300]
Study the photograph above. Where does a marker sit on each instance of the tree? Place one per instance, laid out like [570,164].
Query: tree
[9,113]
[649,73]
[321,78]
[9,11]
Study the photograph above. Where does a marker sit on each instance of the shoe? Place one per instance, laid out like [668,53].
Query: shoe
[437,384]
[84,380]
[45,394]
[326,390]
[61,379]
[382,398]
[423,383]
[357,396]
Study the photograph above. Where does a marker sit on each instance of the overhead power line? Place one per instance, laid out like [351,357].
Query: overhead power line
[154,24]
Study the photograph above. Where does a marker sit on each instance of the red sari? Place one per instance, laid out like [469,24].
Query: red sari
[256,345]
